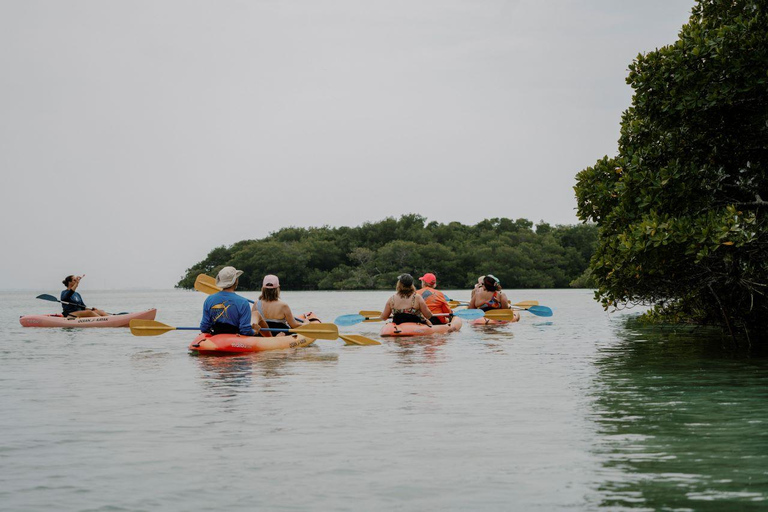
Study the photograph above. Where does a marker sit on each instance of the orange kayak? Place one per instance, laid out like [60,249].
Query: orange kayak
[413,329]
[209,344]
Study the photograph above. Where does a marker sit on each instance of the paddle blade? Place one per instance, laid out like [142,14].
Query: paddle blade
[148,327]
[500,314]
[356,339]
[469,314]
[370,316]
[456,303]
[45,296]
[526,303]
[346,320]
[206,284]
[318,331]
[540,310]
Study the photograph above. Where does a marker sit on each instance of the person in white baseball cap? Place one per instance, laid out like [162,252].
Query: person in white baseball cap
[273,310]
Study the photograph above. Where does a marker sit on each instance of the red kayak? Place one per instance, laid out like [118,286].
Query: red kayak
[209,344]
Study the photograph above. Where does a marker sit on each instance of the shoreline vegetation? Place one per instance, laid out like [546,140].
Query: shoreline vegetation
[681,207]
[371,256]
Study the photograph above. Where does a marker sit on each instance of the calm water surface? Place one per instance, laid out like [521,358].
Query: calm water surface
[578,412]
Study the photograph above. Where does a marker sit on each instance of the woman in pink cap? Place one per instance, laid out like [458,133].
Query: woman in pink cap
[277,313]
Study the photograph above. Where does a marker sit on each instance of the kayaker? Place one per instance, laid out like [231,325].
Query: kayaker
[436,300]
[226,312]
[273,310]
[489,296]
[406,305]
[478,285]
[74,302]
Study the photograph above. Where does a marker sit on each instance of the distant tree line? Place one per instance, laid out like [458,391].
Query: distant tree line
[371,256]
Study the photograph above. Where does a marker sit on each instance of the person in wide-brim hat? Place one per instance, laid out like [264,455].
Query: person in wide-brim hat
[227,277]
[226,312]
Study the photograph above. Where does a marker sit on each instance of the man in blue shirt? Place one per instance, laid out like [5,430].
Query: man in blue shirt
[226,312]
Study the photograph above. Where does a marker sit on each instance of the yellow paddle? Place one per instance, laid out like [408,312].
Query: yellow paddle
[206,284]
[314,330]
[370,316]
[500,314]
[522,305]
[356,339]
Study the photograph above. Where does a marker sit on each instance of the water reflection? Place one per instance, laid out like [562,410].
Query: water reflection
[681,422]
[227,374]
[419,349]
[494,337]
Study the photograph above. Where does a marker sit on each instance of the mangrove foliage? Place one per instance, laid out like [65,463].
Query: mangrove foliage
[371,256]
[681,208]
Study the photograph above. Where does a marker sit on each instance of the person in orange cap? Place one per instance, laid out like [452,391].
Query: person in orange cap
[436,300]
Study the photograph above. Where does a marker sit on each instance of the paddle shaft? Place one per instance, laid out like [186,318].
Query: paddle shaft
[51,298]
[73,304]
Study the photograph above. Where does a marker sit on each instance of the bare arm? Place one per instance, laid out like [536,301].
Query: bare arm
[503,301]
[257,322]
[289,319]
[387,311]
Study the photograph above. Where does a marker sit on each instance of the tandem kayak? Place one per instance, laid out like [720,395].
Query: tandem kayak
[489,321]
[414,329]
[219,344]
[88,321]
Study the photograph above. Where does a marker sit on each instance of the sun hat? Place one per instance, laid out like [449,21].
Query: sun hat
[270,281]
[491,280]
[428,278]
[406,279]
[227,277]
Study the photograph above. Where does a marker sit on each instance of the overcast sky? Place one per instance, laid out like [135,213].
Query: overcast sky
[135,136]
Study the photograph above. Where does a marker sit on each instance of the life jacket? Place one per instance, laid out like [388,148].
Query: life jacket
[437,303]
